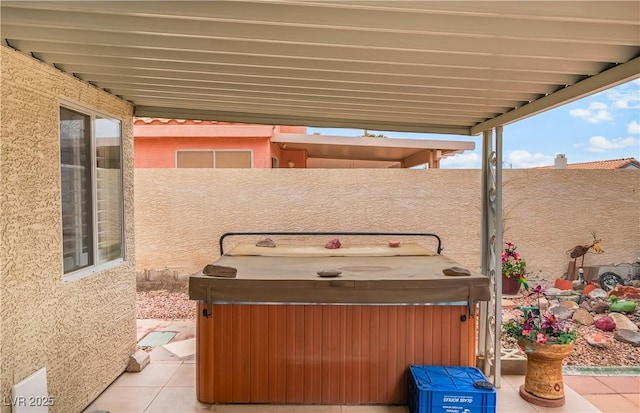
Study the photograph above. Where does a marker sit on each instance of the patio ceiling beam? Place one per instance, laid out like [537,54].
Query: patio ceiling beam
[253,97]
[285,108]
[71,62]
[443,105]
[294,120]
[58,52]
[612,77]
[349,37]
[622,30]
[433,94]
[71,39]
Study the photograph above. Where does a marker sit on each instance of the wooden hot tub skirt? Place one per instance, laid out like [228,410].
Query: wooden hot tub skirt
[324,354]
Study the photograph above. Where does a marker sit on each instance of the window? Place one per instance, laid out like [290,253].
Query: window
[213,159]
[92,192]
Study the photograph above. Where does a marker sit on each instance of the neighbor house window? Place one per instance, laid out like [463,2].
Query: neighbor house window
[214,159]
[92,192]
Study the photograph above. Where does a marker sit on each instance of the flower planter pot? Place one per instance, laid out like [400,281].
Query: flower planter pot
[543,383]
[510,285]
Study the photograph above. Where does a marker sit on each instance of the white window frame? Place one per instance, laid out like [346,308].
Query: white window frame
[175,161]
[94,268]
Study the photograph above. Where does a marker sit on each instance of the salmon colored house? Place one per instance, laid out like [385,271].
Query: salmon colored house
[174,143]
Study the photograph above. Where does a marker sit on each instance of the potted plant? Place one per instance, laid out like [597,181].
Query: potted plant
[513,270]
[546,341]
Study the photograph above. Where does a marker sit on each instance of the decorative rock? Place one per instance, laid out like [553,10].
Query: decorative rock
[552,291]
[543,304]
[571,305]
[628,336]
[267,242]
[329,273]
[333,244]
[623,291]
[456,271]
[586,305]
[598,293]
[588,288]
[138,361]
[605,323]
[583,317]
[561,312]
[599,307]
[622,322]
[597,340]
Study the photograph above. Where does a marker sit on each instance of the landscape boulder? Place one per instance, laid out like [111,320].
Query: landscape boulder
[628,336]
[605,323]
[623,322]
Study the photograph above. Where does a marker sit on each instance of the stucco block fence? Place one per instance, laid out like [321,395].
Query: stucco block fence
[181,213]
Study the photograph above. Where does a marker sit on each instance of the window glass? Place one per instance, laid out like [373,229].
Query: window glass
[195,159]
[75,157]
[91,191]
[109,206]
[233,159]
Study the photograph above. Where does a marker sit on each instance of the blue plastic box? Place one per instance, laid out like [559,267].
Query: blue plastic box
[442,389]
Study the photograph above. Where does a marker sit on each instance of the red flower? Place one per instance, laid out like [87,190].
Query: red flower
[541,338]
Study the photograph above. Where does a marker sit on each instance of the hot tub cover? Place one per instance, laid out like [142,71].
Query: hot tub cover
[369,275]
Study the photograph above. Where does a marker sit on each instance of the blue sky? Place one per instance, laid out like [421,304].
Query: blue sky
[602,126]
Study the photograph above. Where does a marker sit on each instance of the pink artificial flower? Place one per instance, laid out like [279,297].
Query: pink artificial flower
[509,244]
[516,256]
[526,332]
[541,338]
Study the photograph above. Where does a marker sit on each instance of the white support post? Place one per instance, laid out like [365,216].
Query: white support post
[483,327]
[490,344]
[498,259]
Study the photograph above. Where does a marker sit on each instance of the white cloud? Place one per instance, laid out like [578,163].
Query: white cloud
[525,159]
[627,97]
[470,160]
[634,128]
[596,112]
[602,144]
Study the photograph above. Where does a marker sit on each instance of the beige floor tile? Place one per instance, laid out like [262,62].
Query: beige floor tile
[512,381]
[634,398]
[587,385]
[612,403]
[574,403]
[621,384]
[162,355]
[155,374]
[177,400]
[124,399]
[185,376]
[509,401]
[182,348]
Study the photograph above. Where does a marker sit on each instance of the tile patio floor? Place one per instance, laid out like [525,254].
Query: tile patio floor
[167,384]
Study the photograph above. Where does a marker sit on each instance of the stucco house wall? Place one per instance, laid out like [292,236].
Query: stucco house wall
[84,331]
[157,140]
[547,212]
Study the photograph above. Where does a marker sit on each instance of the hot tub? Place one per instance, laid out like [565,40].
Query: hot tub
[279,333]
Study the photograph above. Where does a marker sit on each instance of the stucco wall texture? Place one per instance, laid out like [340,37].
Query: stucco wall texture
[83,332]
[180,214]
